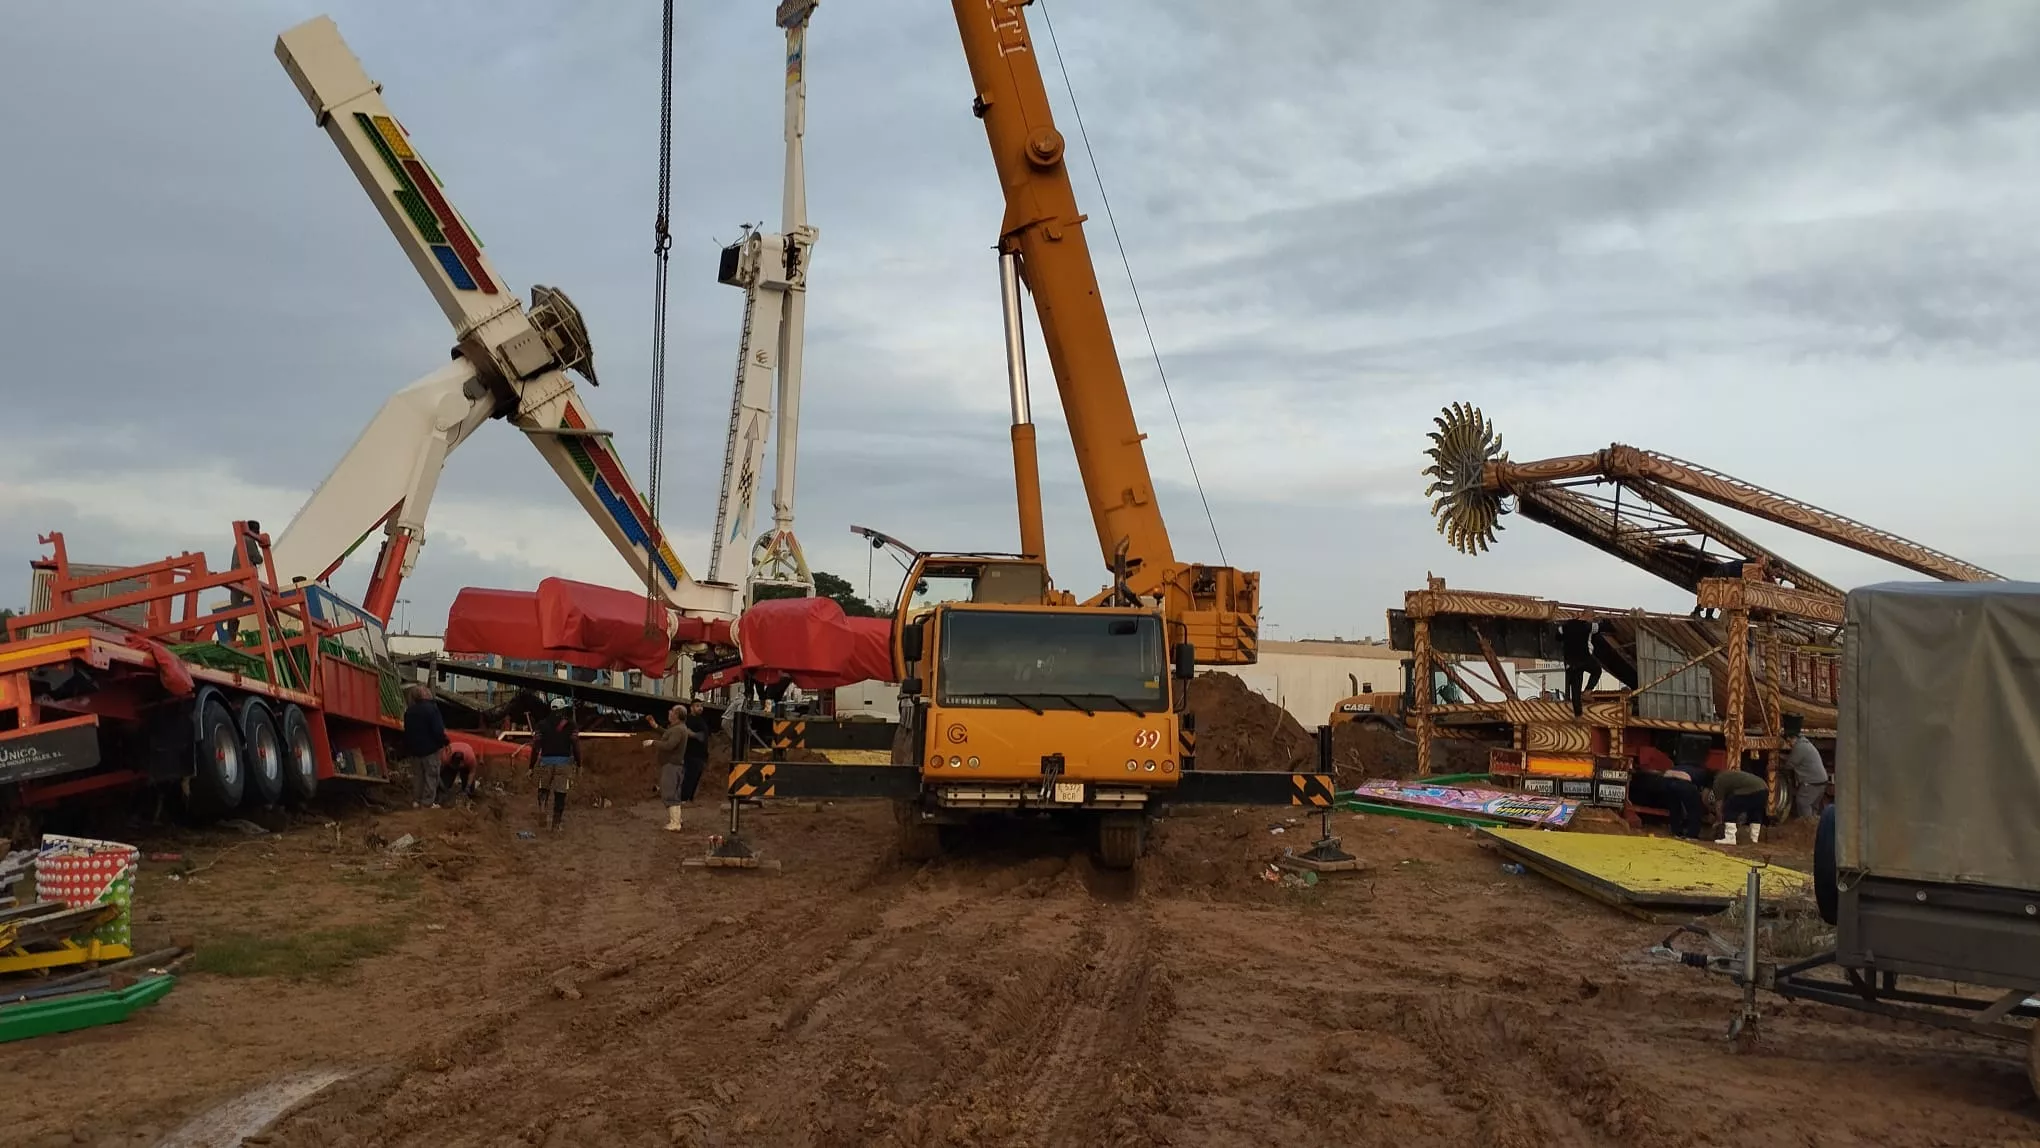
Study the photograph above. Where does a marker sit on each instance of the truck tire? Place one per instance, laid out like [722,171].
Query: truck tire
[262,754]
[300,760]
[920,839]
[1121,838]
[2033,1059]
[1826,891]
[218,776]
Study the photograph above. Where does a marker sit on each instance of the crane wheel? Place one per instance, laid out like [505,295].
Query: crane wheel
[2033,1058]
[920,839]
[262,753]
[1121,838]
[300,762]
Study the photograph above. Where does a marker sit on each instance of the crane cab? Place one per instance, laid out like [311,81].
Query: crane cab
[1016,696]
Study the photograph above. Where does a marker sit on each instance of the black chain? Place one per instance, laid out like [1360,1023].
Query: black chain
[662,246]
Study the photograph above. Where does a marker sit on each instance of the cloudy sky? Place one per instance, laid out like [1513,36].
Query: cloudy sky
[1797,241]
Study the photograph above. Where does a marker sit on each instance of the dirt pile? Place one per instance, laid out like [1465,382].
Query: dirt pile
[619,767]
[1238,729]
[1364,751]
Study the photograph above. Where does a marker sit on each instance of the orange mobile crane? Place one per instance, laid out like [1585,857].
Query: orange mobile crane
[1015,695]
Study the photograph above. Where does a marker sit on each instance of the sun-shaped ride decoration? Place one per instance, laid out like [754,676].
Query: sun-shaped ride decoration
[1467,513]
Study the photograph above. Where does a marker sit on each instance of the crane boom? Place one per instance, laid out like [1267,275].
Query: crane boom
[1214,608]
[772,270]
[1045,228]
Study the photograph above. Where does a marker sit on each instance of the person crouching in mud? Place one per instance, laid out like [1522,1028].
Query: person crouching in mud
[556,758]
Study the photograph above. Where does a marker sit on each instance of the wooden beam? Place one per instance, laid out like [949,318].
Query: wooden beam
[1745,594]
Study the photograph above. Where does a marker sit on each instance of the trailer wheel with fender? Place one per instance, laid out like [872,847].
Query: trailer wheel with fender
[218,778]
[300,760]
[262,753]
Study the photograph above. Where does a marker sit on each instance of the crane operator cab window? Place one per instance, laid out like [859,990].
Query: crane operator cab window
[988,583]
[1001,659]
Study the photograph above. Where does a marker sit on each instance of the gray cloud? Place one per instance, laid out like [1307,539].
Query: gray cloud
[1774,237]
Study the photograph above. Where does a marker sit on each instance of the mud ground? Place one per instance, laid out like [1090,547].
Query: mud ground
[587,989]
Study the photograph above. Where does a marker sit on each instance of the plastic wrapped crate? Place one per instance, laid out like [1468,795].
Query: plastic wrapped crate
[86,871]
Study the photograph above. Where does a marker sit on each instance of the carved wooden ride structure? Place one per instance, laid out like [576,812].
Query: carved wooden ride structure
[1445,629]
[1648,518]
[1775,630]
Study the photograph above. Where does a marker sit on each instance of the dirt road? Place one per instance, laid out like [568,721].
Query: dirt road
[586,989]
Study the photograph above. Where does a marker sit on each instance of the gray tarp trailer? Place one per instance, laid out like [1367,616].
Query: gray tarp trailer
[1928,863]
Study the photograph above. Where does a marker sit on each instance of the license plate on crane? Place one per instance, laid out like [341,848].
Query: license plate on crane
[1069,793]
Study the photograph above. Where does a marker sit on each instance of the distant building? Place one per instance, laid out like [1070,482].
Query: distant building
[1310,676]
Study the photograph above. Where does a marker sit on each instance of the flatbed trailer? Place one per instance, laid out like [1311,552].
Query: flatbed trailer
[140,677]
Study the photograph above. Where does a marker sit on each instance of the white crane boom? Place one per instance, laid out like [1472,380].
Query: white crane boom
[508,363]
[772,270]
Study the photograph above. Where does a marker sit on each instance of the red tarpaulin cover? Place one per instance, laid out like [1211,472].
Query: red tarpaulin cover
[811,641]
[807,639]
[506,623]
[581,616]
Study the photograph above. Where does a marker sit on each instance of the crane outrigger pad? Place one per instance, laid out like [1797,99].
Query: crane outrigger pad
[760,779]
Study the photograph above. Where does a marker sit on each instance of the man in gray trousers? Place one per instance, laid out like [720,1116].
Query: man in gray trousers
[424,739]
[1803,765]
[683,752]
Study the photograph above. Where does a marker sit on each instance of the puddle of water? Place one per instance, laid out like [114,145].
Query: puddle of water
[228,1124]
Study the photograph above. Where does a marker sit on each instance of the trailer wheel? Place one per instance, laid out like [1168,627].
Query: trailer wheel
[262,751]
[300,762]
[1120,838]
[217,775]
[1826,892]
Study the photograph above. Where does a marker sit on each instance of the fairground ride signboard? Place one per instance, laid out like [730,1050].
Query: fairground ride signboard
[1526,809]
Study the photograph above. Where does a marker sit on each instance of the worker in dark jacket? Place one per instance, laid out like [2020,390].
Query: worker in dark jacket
[424,738]
[1582,668]
[556,758]
[1658,784]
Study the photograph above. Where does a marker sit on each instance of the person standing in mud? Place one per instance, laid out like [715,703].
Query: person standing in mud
[694,759]
[424,739]
[683,753]
[556,757]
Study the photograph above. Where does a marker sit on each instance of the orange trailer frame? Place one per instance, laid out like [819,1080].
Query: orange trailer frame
[118,644]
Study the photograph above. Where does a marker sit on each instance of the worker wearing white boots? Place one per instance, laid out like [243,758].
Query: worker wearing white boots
[683,754]
[1741,796]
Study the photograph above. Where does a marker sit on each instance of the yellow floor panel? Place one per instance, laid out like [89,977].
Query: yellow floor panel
[858,756]
[1644,872]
